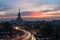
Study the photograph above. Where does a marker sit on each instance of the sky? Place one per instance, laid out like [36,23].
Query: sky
[39,9]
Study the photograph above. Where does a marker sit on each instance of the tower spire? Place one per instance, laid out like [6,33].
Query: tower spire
[19,19]
[19,13]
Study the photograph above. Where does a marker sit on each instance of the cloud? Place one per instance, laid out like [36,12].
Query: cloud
[2,13]
[42,14]
[26,5]
[34,8]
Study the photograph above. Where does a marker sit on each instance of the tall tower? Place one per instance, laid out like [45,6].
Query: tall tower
[19,19]
[19,16]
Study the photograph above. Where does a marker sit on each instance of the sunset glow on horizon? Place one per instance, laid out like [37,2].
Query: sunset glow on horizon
[36,15]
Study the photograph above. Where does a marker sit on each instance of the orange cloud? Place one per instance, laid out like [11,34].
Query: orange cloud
[43,15]
[35,14]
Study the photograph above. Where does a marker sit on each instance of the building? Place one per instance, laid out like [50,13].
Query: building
[56,22]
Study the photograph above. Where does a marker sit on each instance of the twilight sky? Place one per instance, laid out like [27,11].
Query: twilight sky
[30,8]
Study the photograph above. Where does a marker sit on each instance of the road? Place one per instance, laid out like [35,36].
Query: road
[27,36]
